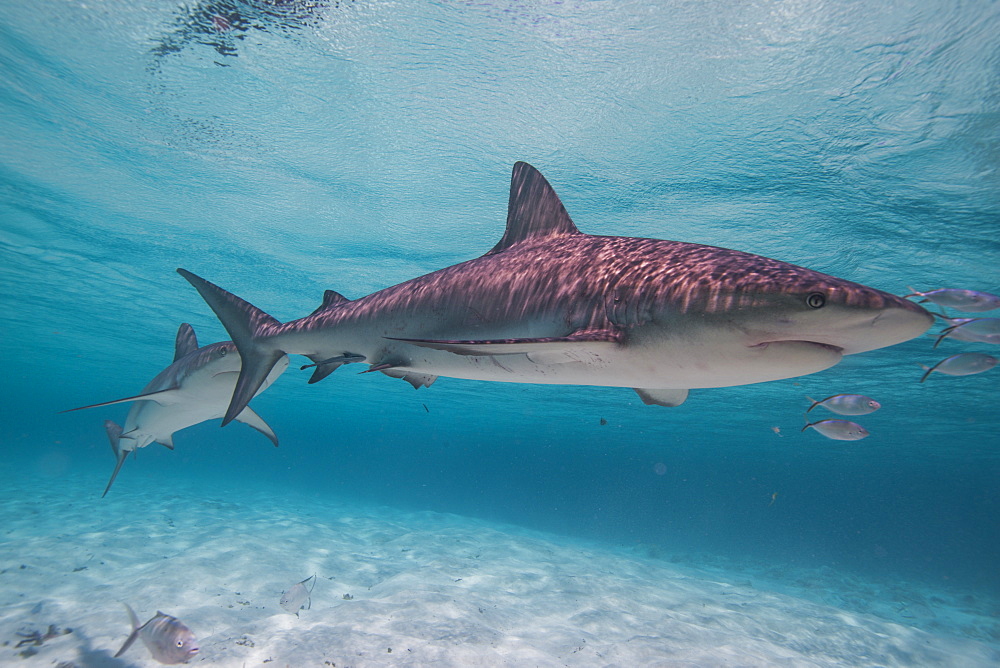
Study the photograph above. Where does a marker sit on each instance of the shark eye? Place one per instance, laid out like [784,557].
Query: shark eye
[222,352]
[816,300]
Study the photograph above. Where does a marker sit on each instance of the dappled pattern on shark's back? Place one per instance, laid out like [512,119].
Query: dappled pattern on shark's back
[587,275]
[544,266]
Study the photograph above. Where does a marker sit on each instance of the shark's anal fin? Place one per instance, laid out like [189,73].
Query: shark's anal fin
[668,398]
[249,417]
[533,210]
[186,342]
[163,397]
[545,350]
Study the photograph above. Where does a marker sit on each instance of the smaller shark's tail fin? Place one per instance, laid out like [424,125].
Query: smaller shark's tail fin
[244,322]
[114,434]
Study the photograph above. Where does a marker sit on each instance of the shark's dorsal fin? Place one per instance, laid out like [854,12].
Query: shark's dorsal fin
[330,298]
[533,210]
[186,342]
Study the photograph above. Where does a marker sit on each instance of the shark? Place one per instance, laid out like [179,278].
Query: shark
[550,304]
[196,387]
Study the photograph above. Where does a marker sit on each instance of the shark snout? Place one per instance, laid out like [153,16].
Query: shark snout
[895,322]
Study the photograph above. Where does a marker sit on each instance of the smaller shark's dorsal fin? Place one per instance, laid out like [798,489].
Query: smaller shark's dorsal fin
[186,342]
[534,209]
[330,298]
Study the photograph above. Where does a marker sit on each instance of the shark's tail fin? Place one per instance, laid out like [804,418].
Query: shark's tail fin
[245,324]
[114,435]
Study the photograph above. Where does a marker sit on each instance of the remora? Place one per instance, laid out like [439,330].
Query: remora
[549,304]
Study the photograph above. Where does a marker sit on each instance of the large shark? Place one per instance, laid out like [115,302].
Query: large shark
[198,386]
[549,304]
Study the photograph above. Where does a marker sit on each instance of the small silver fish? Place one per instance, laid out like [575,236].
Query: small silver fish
[166,638]
[847,404]
[293,599]
[970,301]
[963,364]
[839,430]
[976,330]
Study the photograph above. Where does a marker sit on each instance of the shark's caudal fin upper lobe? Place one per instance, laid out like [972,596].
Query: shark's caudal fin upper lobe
[243,321]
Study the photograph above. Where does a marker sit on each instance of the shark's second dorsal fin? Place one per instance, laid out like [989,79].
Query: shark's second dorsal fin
[534,209]
[330,298]
[186,341]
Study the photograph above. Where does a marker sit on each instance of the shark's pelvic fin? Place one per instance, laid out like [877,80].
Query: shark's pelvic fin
[533,210]
[324,367]
[668,398]
[114,433]
[244,322]
[162,397]
[249,417]
[186,342]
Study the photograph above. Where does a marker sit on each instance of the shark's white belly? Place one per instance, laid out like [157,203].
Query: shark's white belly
[149,421]
[679,366]
[205,396]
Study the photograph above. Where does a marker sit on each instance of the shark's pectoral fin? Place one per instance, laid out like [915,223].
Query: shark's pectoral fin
[544,350]
[417,380]
[162,397]
[668,398]
[249,417]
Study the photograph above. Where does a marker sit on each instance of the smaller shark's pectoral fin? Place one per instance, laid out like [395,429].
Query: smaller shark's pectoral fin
[544,350]
[163,397]
[249,417]
[668,398]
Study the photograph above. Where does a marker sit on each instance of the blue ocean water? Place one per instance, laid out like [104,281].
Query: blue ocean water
[282,149]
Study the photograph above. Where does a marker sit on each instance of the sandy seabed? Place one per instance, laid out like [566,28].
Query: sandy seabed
[399,588]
